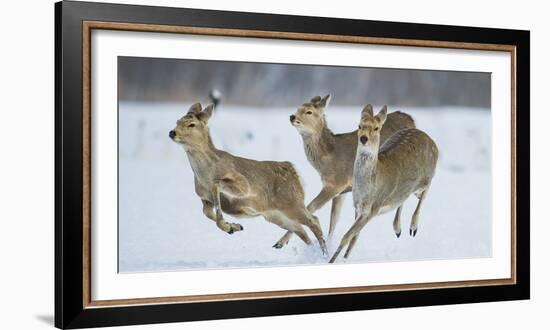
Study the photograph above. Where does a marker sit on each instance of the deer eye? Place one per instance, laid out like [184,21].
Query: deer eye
[376,129]
[308,112]
[359,127]
[191,125]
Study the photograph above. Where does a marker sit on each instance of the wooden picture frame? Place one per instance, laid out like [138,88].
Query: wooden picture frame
[74,307]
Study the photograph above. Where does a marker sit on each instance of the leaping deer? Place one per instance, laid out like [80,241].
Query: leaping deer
[333,155]
[242,187]
[385,176]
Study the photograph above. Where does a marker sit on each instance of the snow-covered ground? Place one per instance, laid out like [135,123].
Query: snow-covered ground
[161,225]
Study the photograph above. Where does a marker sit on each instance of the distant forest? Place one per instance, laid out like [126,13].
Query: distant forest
[263,84]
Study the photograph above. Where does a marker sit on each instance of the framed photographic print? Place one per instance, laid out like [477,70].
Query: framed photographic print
[218,164]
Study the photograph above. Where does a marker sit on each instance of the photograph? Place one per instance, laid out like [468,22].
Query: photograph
[227,164]
[218,164]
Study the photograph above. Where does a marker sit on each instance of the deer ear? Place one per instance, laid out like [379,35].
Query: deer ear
[195,108]
[367,111]
[324,101]
[315,99]
[205,114]
[382,114]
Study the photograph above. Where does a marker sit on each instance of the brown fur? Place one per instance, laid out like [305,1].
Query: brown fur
[333,155]
[385,176]
[243,187]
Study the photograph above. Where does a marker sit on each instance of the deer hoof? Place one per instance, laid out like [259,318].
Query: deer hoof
[412,232]
[398,234]
[234,227]
[278,245]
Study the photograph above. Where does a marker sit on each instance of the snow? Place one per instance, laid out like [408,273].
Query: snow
[162,228]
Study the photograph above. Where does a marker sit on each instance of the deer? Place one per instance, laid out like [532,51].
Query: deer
[242,187]
[333,155]
[386,174]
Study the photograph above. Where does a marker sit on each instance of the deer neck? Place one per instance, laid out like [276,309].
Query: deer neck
[317,145]
[364,176]
[202,156]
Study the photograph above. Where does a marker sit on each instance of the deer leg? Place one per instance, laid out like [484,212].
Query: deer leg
[321,199]
[208,210]
[303,235]
[229,228]
[352,242]
[414,221]
[283,240]
[326,194]
[350,246]
[279,220]
[350,234]
[397,222]
[337,203]
[307,219]
[315,227]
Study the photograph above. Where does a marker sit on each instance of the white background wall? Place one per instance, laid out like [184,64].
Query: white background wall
[26,163]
